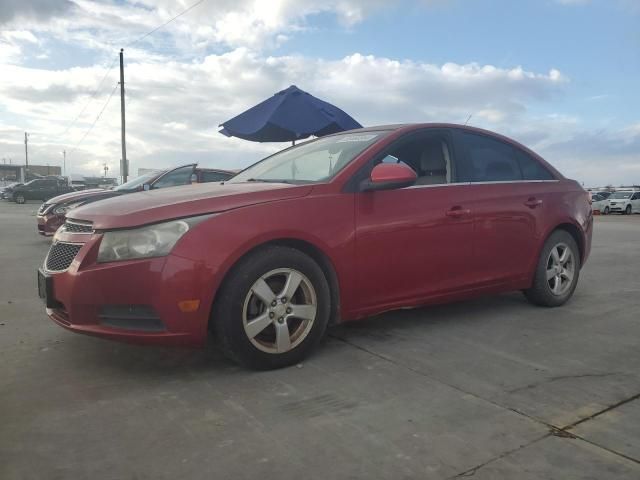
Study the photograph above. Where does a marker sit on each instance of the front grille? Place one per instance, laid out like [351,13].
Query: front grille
[61,255]
[78,227]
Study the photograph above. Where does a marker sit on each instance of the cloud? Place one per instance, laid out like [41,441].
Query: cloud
[38,10]
[175,106]
[217,60]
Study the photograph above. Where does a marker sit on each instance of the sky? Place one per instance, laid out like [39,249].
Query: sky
[560,76]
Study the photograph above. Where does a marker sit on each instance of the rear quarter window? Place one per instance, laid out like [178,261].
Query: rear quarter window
[531,168]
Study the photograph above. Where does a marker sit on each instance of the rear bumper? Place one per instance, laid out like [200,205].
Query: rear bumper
[83,292]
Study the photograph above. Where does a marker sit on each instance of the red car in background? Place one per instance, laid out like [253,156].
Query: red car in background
[52,213]
[330,230]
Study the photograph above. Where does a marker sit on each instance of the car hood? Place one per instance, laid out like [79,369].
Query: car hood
[79,196]
[165,204]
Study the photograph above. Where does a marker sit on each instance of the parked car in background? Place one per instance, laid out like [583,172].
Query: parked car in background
[600,203]
[7,192]
[40,189]
[334,229]
[626,202]
[52,213]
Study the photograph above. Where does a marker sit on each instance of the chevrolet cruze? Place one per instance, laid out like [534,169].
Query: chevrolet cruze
[331,230]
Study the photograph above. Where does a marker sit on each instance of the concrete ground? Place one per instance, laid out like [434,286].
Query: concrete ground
[493,388]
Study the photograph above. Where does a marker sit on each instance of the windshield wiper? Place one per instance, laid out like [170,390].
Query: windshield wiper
[263,180]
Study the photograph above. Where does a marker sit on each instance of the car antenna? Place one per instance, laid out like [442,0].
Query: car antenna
[468,118]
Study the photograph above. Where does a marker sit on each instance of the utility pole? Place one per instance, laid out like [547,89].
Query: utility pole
[106,169]
[64,163]
[123,160]
[26,155]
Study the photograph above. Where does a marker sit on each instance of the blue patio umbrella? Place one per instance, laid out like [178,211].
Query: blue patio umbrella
[289,115]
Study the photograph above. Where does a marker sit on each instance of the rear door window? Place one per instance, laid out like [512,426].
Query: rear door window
[490,160]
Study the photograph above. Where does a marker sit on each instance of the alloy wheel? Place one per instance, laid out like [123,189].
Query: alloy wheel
[560,269]
[279,310]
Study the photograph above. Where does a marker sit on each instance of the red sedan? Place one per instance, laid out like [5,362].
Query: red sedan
[331,230]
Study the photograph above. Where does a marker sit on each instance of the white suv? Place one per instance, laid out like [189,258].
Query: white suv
[624,202]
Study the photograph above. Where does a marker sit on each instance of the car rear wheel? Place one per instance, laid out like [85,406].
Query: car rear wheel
[20,199]
[557,272]
[627,211]
[273,309]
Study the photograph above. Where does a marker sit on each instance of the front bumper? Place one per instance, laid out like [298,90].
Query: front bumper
[87,289]
[49,223]
[617,207]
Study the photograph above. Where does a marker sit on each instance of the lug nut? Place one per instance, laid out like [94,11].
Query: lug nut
[289,310]
[271,314]
[274,303]
[281,320]
[284,299]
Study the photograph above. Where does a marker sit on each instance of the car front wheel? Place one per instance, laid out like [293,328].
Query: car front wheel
[606,210]
[627,211]
[20,199]
[557,272]
[273,309]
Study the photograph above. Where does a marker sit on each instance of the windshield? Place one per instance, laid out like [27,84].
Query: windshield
[310,162]
[621,195]
[136,182]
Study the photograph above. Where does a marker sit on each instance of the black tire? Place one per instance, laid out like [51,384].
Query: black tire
[541,292]
[627,211]
[20,199]
[606,210]
[227,321]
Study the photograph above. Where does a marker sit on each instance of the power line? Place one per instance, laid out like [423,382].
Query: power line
[165,23]
[91,98]
[95,121]
[95,92]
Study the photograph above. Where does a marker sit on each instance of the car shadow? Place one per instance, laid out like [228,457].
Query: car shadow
[172,362]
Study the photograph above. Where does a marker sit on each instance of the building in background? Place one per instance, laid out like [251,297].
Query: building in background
[18,173]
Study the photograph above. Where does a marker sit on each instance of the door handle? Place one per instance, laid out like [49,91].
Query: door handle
[457,212]
[533,202]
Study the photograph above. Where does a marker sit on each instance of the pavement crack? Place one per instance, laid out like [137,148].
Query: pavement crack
[563,377]
[423,374]
[553,430]
[605,410]
[472,471]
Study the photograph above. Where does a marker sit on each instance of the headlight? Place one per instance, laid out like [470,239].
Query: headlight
[151,241]
[64,208]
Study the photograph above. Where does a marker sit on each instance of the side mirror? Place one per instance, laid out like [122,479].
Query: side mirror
[389,176]
[146,187]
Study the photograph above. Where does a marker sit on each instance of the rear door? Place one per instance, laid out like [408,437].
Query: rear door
[510,191]
[414,242]
[36,190]
[49,189]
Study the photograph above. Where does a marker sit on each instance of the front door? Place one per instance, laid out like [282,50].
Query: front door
[414,242]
